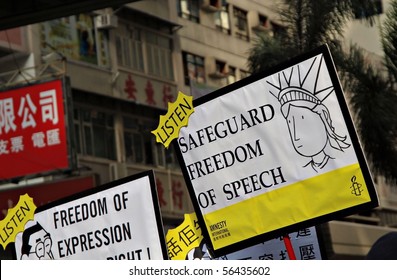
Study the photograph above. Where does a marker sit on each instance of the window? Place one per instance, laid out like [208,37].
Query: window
[170,157]
[140,145]
[129,50]
[94,133]
[240,22]
[133,141]
[193,66]
[159,55]
[156,60]
[277,29]
[165,157]
[138,141]
[189,9]
[244,74]
[222,20]
[231,78]
[220,67]
[263,21]
[215,3]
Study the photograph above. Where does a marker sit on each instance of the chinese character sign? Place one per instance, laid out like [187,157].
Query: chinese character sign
[305,243]
[186,242]
[274,153]
[32,130]
[184,239]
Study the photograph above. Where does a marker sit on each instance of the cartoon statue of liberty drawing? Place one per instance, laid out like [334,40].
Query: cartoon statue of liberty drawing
[309,122]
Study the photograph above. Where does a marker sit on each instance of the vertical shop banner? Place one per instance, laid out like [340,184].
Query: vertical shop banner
[272,154]
[117,221]
[33,136]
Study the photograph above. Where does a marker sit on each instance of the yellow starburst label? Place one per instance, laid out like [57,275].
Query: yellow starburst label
[16,219]
[177,116]
[182,239]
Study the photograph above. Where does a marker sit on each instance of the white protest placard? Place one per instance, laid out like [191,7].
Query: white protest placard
[274,153]
[117,221]
[186,242]
[306,245]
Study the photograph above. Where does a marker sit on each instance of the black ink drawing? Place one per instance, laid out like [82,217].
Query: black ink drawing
[36,244]
[309,121]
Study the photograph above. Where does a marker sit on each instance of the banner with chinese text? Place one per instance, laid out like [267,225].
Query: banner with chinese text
[33,136]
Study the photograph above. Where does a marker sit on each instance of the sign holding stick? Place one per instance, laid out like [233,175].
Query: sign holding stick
[273,153]
[288,246]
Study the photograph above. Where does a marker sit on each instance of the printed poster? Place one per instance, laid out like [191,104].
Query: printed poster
[117,221]
[274,153]
[186,242]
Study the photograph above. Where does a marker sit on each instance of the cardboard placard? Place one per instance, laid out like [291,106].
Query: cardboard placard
[116,221]
[274,153]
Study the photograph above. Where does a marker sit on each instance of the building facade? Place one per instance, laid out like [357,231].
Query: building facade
[123,66]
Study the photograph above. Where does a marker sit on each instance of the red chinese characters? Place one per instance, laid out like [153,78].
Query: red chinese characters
[129,88]
[177,194]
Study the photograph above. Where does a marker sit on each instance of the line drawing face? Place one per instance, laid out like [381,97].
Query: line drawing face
[301,94]
[36,244]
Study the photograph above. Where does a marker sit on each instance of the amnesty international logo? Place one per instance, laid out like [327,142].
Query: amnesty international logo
[356,187]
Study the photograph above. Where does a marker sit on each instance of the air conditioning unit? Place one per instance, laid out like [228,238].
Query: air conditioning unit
[106,21]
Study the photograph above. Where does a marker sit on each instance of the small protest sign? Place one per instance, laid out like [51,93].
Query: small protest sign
[186,242]
[117,221]
[184,238]
[177,116]
[306,245]
[274,153]
[16,219]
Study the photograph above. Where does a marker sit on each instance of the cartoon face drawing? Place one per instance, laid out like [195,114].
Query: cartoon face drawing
[36,244]
[307,131]
[308,119]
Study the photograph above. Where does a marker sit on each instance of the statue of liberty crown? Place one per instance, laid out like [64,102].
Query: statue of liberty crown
[305,82]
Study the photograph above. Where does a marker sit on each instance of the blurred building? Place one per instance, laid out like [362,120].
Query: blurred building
[122,66]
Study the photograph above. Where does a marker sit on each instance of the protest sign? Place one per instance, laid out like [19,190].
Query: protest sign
[117,221]
[16,219]
[177,116]
[274,153]
[306,244]
[186,242]
[184,238]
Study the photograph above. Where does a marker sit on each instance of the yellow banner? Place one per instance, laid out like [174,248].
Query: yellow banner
[289,205]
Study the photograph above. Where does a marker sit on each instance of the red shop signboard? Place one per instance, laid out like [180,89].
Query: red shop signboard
[33,135]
